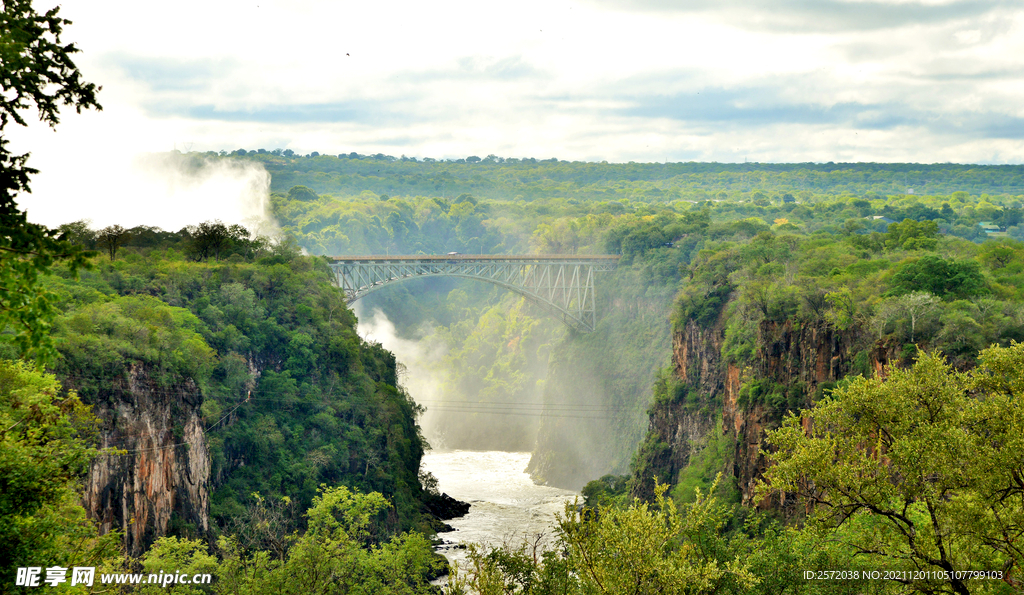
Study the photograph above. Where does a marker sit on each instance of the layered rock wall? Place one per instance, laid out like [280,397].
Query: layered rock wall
[163,468]
[799,358]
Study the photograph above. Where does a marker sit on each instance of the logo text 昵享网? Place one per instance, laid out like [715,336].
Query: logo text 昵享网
[37,576]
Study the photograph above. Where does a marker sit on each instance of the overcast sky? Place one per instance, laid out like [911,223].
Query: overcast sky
[644,80]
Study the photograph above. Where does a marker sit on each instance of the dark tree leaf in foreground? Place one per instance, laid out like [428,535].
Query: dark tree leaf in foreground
[35,70]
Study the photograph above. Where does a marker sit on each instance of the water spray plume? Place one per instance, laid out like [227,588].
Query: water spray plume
[423,377]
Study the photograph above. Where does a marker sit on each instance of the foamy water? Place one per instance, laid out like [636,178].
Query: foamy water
[505,504]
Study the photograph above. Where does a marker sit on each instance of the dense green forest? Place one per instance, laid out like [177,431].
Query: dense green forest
[292,401]
[496,177]
[880,297]
[324,408]
[656,235]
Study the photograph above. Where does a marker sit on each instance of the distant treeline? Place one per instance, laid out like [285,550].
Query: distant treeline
[530,178]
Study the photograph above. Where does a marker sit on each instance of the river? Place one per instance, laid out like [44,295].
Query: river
[505,504]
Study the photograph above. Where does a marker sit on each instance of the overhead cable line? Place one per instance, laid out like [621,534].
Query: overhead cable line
[530,414]
[573,406]
[205,431]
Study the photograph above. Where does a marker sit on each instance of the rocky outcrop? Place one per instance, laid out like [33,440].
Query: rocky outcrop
[795,361]
[696,356]
[680,428]
[442,507]
[161,471]
[810,353]
[800,358]
[675,436]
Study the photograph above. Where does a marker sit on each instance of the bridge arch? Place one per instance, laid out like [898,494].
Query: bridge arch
[563,285]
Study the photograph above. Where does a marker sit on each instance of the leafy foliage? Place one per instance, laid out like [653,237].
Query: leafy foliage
[212,238]
[336,554]
[940,277]
[103,339]
[644,548]
[45,446]
[912,235]
[38,70]
[111,238]
[921,470]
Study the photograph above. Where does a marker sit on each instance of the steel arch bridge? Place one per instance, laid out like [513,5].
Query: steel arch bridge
[564,285]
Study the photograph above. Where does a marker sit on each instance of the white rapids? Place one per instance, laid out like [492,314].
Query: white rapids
[505,505]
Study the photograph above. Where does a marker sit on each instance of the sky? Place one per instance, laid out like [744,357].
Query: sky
[598,80]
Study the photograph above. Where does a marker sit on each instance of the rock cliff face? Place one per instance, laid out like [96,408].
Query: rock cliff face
[165,470]
[797,359]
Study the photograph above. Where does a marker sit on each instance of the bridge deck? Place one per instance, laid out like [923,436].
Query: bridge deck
[492,257]
[563,283]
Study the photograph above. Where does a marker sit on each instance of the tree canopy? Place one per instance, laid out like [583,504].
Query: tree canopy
[956,279]
[918,471]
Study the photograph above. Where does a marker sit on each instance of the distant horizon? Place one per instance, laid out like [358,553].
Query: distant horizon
[451,159]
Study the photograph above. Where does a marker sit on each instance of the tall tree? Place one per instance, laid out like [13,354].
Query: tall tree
[921,471]
[956,279]
[112,238]
[212,238]
[36,70]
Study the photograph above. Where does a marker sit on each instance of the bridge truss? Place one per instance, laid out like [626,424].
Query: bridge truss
[562,284]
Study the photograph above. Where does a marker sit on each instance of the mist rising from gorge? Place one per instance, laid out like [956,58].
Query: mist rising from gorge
[165,190]
[506,376]
[230,190]
[420,365]
[476,394]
